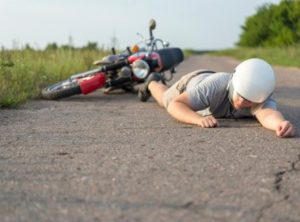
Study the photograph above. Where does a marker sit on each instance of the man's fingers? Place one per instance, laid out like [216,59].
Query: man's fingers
[285,130]
[212,122]
[208,122]
[215,122]
[288,132]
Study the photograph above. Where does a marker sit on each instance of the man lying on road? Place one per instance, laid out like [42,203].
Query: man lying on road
[202,96]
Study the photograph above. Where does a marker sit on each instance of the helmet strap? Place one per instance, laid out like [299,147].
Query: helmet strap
[230,91]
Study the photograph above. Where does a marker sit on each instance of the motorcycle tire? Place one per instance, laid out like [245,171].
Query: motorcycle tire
[61,90]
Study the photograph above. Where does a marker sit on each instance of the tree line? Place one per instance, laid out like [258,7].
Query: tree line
[88,46]
[272,26]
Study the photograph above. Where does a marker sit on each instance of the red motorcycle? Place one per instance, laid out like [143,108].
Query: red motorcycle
[123,71]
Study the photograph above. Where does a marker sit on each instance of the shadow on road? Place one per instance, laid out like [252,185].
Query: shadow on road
[97,97]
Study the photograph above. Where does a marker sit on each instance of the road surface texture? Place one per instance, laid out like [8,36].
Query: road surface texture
[112,158]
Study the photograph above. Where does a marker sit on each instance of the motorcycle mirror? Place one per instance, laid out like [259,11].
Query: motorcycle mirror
[166,44]
[152,24]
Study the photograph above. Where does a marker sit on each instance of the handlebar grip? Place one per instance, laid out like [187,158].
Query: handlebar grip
[170,57]
[114,66]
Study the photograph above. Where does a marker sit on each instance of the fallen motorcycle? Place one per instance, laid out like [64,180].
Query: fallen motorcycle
[122,71]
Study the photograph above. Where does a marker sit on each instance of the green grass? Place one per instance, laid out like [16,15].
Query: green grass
[288,56]
[23,73]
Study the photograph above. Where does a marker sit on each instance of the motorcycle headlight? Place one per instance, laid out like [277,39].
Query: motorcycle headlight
[140,69]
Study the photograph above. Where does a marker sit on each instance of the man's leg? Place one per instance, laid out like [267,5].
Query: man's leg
[160,92]
[157,90]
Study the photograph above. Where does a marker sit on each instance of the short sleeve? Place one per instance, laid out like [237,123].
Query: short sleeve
[209,92]
[269,103]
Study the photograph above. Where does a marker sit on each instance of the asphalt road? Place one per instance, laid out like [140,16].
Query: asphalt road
[113,158]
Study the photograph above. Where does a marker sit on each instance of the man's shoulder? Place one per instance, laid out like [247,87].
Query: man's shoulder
[210,92]
[209,82]
[219,79]
[222,76]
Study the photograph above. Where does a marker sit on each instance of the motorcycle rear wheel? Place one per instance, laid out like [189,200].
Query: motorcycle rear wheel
[63,89]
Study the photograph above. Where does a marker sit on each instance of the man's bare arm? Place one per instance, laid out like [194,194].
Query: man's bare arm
[274,120]
[180,109]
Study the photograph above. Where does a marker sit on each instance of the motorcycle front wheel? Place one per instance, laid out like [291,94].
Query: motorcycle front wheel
[61,90]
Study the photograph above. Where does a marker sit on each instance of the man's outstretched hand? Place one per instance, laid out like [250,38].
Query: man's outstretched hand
[208,122]
[285,129]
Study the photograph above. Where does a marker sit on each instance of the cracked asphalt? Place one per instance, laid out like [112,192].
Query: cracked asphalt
[112,158]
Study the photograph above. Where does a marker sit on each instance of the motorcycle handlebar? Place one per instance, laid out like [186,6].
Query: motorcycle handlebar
[114,66]
[169,58]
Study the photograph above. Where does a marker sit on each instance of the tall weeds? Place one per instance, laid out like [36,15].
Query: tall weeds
[23,73]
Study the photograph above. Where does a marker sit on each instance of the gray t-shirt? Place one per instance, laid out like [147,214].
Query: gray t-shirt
[208,95]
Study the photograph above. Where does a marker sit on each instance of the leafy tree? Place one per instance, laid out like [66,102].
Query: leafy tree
[67,47]
[52,46]
[273,25]
[91,46]
[28,47]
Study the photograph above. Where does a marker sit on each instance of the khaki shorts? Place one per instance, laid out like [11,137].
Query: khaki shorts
[180,86]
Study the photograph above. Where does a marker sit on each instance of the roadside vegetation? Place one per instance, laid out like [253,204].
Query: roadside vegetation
[272,33]
[272,26]
[283,56]
[23,73]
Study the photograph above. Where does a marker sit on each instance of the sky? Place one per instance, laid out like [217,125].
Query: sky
[196,24]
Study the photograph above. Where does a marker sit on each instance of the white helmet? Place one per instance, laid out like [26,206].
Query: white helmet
[254,80]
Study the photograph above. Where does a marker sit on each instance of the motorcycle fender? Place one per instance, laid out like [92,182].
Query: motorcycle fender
[93,83]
